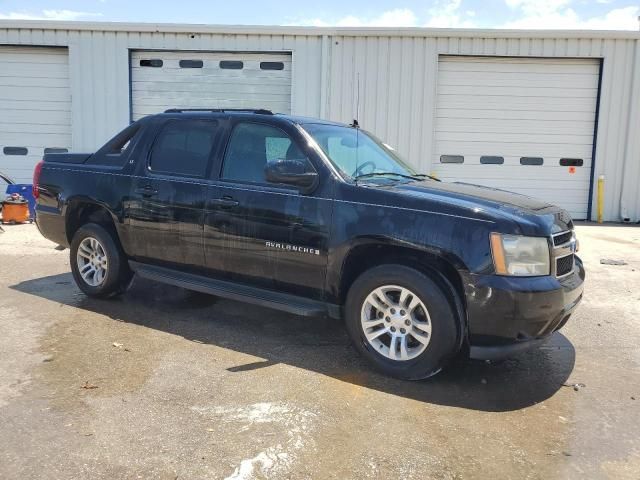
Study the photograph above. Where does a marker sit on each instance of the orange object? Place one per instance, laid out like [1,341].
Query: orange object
[497,249]
[15,212]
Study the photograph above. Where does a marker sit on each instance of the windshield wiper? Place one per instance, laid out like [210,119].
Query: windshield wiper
[424,175]
[416,176]
[376,174]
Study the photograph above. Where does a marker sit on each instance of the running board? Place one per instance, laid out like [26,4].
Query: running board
[234,291]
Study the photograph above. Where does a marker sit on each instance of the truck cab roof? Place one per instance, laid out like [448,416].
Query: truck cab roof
[242,113]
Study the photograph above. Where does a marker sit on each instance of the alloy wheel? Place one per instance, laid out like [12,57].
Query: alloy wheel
[92,261]
[396,322]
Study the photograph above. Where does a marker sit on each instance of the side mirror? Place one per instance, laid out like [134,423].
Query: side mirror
[291,172]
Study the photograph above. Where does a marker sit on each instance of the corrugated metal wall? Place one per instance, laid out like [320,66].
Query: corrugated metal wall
[99,70]
[398,77]
[396,74]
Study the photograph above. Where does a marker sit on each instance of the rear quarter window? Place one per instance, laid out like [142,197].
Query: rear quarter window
[116,151]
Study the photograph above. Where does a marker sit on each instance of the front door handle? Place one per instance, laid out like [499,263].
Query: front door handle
[146,191]
[225,202]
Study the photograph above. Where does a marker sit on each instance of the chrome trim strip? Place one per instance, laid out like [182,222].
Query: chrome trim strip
[217,183]
[563,250]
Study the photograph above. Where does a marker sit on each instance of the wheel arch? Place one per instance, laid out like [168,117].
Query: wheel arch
[442,267]
[81,210]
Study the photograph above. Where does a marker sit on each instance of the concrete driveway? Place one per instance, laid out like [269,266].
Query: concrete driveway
[163,383]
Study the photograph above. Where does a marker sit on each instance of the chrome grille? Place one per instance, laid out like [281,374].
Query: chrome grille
[564,245]
[562,238]
[564,265]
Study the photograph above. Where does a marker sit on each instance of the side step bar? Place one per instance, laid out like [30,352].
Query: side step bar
[234,291]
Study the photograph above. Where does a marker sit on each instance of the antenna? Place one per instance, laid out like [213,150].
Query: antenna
[356,125]
[357,96]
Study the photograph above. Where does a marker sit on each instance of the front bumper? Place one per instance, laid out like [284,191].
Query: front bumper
[507,315]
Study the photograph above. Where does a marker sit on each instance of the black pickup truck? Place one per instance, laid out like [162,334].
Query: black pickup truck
[315,218]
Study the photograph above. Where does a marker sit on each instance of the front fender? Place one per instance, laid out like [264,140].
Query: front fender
[374,250]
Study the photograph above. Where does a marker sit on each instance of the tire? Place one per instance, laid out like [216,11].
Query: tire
[108,257]
[428,340]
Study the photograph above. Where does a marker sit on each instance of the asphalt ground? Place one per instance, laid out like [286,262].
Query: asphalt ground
[162,383]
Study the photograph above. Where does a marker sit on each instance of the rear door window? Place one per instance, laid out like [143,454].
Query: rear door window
[184,147]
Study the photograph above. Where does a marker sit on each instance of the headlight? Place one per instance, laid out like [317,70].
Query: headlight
[520,256]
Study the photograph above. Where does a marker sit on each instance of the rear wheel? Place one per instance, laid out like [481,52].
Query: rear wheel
[98,264]
[402,322]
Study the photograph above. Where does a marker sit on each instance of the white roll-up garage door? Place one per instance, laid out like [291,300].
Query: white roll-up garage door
[35,107]
[186,79]
[519,124]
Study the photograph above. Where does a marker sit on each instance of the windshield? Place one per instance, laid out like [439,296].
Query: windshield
[357,153]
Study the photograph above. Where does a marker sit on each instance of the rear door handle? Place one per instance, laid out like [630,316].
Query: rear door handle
[225,202]
[146,191]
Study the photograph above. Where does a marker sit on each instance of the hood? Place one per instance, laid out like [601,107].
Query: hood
[491,197]
[480,199]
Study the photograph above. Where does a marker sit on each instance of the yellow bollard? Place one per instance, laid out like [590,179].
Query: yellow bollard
[600,197]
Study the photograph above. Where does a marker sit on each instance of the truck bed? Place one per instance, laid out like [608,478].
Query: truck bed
[75,158]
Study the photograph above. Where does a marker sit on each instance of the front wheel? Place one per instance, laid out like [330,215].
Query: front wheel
[402,322]
[98,264]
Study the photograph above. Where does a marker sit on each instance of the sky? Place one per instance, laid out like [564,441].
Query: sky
[530,14]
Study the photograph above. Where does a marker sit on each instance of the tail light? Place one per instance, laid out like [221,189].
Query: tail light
[36,179]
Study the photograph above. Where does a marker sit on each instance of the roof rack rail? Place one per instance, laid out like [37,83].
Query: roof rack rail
[260,111]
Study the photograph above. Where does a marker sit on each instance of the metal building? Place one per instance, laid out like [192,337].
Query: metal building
[543,113]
